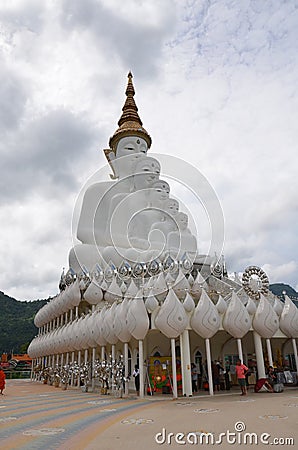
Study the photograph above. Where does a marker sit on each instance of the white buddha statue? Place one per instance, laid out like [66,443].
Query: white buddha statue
[124,206]
[160,230]
[152,211]
[129,143]
[181,240]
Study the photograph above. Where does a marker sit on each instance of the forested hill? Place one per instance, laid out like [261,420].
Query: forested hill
[279,288]
[17,327]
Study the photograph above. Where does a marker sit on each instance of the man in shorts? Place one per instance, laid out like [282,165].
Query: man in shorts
[241,371]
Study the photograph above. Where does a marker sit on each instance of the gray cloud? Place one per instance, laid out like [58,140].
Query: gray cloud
[44,155]
[135,42]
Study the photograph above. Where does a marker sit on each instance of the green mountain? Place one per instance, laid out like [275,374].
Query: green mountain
[279,288]
[17,327]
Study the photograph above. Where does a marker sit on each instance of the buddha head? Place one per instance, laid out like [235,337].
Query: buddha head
[171,207]
[128,151]
[146,173]
[182,220]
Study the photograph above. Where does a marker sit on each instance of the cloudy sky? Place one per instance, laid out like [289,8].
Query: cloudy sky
[216,84]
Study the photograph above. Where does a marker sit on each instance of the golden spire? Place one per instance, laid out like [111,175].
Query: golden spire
[129,123]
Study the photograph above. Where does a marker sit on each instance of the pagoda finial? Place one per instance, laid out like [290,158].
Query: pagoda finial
[129,123]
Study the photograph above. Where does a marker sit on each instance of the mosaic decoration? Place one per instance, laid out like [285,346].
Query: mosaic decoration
[100,402]
[8,419]
[255,282]
[108,410]
[206,410]
[136,421]
[273,417]
[43,431]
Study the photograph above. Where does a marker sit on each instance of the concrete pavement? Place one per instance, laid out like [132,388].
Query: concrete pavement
[42,417]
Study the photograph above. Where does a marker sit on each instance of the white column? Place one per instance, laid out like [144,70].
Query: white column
[209,368]
[141,366]
[240,353]
[103,350]
[72,361]
[86,356]
[182,364]
[259,355]
[113,360]
[79,364]
[295,353]
[174,373]
[93,367]
[126,368]
[270,359]
[186,363]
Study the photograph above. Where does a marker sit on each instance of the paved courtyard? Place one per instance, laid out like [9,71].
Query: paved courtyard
[42,417]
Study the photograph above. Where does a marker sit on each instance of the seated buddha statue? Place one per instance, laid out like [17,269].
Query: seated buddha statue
[181,240]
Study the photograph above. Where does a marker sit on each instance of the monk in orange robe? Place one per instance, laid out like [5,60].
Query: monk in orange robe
[2,381]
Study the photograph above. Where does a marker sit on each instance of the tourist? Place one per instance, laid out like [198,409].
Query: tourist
[2,381]
[241,371]
[216,375]
[272,377]
[136,375]
[194,377]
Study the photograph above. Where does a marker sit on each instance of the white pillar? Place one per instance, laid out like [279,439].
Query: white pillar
[174,373]
[295,353]
[77,312]
[113,360]
[103,350]
[126,368]
[209,368]
[186,363]
[259,355]
[141,367]
[93,367]
[86,356]
[182,364]
[79,364]
[270,359]
[240,353]
[62,360]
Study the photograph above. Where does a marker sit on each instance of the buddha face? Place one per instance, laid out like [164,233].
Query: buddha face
[163,188]
[146,173]
[129,145]
[172,207]
[182,220]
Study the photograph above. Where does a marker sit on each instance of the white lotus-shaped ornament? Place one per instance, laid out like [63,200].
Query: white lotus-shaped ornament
[137,317]
[132,290]
[113,293]
[93,294]
[160,287]
[251,307]
[151,302]
[197,286]
[265,321]
[181,285]
[99,318]
[171,318]
[236,320]
[75,294]
[288,322]
[278,306]
[188,304]
[205,319]
[221,305]
[108,325]
[120,321]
